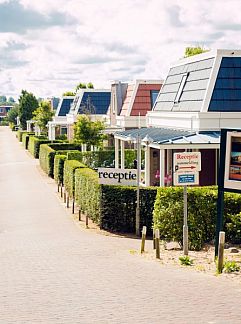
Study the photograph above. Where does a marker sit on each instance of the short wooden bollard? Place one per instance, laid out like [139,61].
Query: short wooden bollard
[58,187]
[61,190]
[154,241]
[157,243]
[73,206]
[221,251]
[67,203]
[143,239]
[64,197]
[86,221]
[79,215]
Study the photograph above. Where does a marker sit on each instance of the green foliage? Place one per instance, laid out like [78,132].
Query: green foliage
[27,104]
[185,260]
[25,139]
[118,208]
[12,115]
[62,137]
[202,211]
[69,175]
[20,134]
[74,155]
[68,94]
[3,99]
[59,168]
[42,115]
[34,144]
[190,51]
[88,193]
[231,266]
[88,132]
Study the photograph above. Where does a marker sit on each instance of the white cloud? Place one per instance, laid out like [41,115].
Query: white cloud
[80,40]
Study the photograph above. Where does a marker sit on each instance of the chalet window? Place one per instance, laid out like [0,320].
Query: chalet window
[181,87]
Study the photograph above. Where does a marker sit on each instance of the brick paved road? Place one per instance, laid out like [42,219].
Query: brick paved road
[52,271]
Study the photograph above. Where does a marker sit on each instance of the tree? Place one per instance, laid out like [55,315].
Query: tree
[68,93]
[88,132]
[190,51]
[12,115]
[27,104]
[42,115]
[11,100]
[90,85]
[3,99]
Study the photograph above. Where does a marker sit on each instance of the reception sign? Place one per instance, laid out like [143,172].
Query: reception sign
[124,177]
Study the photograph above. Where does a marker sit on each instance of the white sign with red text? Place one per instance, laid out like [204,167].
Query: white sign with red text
[187,161]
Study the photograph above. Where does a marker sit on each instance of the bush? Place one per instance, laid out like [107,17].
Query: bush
[118,208]
[74,155]
[47,153]
[34,144]
[88,193]
[20,134]
[25,139]
[202,213]
[59,168]
[69,175]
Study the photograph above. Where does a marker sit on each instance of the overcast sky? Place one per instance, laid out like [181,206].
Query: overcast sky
[49,46]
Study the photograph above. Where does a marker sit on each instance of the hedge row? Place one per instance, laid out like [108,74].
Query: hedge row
[34,144]
[20,134]
[202,212]
[95,159]
[47,153]
[88,194]
[69,175]
[25,139]
[59,168]
[118,208]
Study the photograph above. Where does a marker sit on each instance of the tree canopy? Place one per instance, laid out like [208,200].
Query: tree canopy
[27,104]
[12,115]
[68,93]
[88,132]
[42,115]
[190,51]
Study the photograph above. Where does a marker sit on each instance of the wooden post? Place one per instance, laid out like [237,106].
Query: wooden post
[157,239]
[61,190]
[58,186]
[64,196]
[143,239]
[221,251]
[154,241]
[79,215]
[73,206]
[67,203]
[86,221]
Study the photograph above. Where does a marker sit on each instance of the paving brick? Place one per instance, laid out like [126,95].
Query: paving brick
[52,271]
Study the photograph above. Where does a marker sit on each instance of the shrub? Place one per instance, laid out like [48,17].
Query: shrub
[25,139]
[231,266]
[74,155]
[185,260]
[59,168]
[202,211]
[20,134]
[69,175]
[88,193]
[118,208]
[34,144]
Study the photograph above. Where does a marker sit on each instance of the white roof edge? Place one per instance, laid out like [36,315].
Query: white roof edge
[67,97]
[92,90]
[207,55]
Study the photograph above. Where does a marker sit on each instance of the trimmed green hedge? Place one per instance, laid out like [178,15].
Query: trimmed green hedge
[69,175]
[202,211]
[47,153]
[88,193]
[74,155]
[20,134]
[25,139]
[118,208]
[34,144]
[96,159]
[59,168]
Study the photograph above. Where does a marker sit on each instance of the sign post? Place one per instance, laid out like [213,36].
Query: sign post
[187,166]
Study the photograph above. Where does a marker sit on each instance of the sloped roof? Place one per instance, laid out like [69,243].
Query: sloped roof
[94,102]
[185,86]
[64,106]
[172,136]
